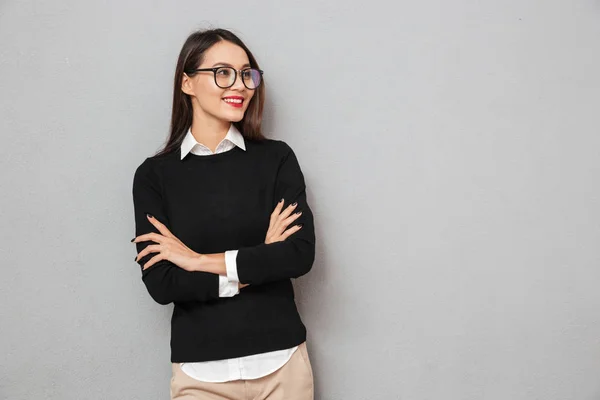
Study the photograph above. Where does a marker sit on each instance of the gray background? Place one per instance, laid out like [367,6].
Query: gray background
[452,157]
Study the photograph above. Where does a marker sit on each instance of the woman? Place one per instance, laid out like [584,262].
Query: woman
[222,225]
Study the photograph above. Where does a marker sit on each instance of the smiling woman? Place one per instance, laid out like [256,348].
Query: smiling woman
[222,226]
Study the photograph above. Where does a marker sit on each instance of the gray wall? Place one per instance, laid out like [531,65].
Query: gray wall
[451,151]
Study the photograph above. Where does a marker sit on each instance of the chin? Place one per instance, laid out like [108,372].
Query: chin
[236,118]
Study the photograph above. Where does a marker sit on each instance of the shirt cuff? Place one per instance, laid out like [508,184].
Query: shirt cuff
[231,265]
[226,288]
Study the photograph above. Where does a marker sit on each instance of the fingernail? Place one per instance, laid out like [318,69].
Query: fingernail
[299,225]
[294,204]
[298,213]
[132,239]
[281,200]
[135,259]
[149,215]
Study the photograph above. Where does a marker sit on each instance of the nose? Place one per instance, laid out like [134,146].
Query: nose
[238,84]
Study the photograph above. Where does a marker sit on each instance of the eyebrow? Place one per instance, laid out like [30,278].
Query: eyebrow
[229,65]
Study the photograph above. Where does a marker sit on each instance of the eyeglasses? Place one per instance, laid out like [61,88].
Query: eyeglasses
[225,77]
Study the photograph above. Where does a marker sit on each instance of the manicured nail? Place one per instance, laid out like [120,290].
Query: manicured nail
[281,200]
[149,215]
[298,213]
[299,225]
[132,239]
[294,204]
[135,259]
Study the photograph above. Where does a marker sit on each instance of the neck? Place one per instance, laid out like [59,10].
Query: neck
[209,131]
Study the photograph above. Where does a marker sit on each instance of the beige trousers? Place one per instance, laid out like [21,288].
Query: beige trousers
[293,381]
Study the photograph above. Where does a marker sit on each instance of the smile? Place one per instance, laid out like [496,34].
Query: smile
[234,102]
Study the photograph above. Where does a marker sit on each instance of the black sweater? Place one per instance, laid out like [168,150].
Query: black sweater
[217,203]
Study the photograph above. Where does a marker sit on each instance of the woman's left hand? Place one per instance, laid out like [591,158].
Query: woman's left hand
[169,247]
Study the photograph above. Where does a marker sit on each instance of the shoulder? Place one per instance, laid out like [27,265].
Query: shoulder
[144,175]
[283,157]
[147,166]
[151,166]
[272,147]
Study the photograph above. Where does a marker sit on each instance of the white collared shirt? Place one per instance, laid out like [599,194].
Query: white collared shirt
[248,367]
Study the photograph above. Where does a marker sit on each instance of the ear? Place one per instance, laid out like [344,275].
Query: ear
[186,86]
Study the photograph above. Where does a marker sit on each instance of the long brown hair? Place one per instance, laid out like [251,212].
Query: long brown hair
[190,57]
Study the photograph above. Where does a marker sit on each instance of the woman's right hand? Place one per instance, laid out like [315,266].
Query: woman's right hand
[279,222]
[277,226]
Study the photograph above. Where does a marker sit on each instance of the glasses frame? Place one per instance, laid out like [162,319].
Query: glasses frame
[237,72]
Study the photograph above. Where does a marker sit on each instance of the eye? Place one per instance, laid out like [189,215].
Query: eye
[223,72]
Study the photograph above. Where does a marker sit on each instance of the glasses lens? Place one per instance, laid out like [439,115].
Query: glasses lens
[252,78]
[225,76]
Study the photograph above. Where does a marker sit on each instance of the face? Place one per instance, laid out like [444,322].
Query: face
[207,97]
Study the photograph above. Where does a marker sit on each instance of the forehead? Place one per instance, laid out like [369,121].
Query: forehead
[225,52]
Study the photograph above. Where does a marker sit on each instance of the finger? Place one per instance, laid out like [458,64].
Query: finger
[280,204]
[292,218]
[153,261]
[281,225]
[274,223]
[278,224]
[277,210]
[288,210]
[153,236]
[162,228]
[154,248]
[290,231]
[281,236]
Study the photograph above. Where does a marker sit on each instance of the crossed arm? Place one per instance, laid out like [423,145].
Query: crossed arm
[172,272]
[168,247]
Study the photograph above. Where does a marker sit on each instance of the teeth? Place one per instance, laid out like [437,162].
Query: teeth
[238,101]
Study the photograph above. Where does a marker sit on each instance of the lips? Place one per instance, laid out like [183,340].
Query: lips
[234,101]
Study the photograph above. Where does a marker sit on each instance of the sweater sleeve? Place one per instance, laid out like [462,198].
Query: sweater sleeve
[165,281]
[294,256]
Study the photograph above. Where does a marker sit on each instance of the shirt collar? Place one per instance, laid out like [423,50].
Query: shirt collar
[233,135]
